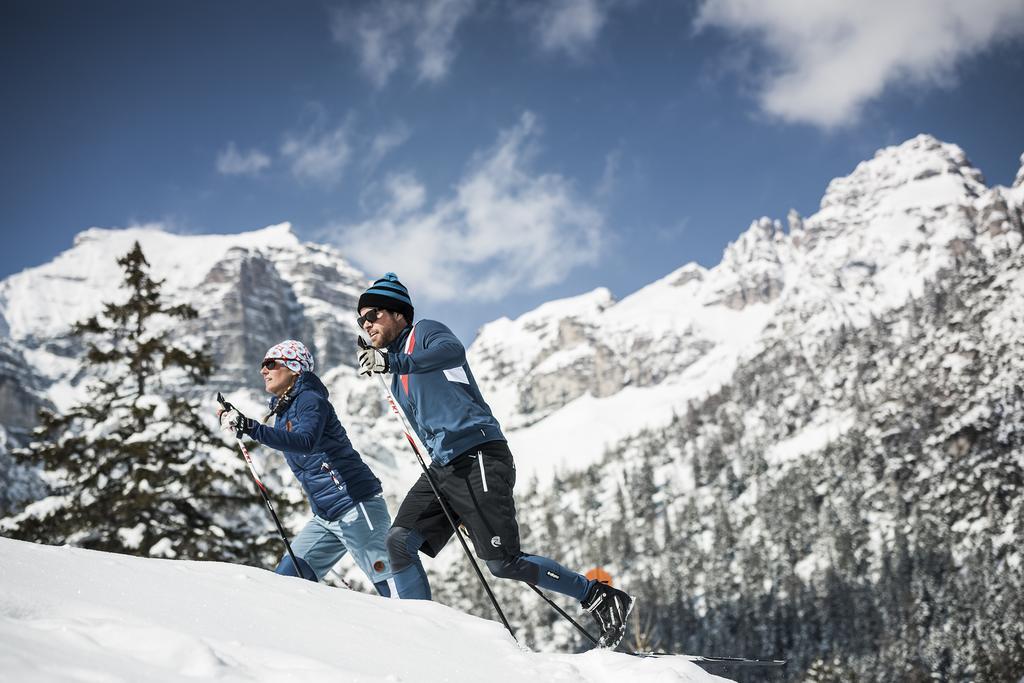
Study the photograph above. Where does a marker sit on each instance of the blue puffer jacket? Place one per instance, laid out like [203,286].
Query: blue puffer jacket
[436,389]
[319,452]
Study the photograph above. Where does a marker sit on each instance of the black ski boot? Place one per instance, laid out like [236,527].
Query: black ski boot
[610,607]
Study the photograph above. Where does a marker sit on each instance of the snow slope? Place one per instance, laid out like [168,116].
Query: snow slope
[68,614]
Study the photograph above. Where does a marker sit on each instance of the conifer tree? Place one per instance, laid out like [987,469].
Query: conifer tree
[134,469]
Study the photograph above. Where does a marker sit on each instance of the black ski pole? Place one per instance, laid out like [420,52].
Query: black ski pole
[412,439]
[263,491]
[558,609]
[563,614]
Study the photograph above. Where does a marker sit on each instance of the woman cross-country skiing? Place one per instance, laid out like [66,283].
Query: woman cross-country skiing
[349,511]
[471,464]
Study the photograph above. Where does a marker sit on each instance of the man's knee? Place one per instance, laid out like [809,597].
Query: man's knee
[515,568]
[403,545]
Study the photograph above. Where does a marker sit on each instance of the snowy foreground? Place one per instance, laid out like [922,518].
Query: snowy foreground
[68,614]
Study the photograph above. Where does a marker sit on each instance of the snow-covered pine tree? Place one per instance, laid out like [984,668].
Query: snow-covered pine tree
[135,469]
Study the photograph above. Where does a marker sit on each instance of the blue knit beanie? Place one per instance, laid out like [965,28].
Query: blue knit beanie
[388,293]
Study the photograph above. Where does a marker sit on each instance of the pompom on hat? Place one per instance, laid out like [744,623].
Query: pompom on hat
[294,354]
[390,294]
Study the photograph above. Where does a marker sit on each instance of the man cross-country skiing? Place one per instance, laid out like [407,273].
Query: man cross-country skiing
[471,464]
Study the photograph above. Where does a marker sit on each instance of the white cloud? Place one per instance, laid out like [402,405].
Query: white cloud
[435,34]
[384,143]
[505,227]
[570,26]
[830,58]
[610,175]
[231,161]
[317,153]
[383,33]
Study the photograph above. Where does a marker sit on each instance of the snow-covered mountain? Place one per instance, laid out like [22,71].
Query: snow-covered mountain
[251,290]
[575,377]
[572,378]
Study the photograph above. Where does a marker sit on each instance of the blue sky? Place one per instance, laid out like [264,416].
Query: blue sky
[496,154]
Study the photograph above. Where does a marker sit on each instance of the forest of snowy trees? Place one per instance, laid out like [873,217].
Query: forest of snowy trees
[135,468]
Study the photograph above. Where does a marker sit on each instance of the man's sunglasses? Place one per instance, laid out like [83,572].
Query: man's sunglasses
[272,363]
[372,316]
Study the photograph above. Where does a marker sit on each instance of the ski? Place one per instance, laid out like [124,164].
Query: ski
[720,666]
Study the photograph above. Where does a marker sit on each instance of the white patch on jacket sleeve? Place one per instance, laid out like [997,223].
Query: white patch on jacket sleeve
[457,375]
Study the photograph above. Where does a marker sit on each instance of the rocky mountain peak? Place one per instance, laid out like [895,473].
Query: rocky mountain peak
[925,163]
[252,290]
[751,267]
[760,237]
[896,222]
[508,345]
[691,272]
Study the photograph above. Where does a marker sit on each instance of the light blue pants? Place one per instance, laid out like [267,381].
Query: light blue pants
[362,531]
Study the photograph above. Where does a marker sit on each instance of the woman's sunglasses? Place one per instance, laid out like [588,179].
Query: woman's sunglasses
[272,363]
[372,316]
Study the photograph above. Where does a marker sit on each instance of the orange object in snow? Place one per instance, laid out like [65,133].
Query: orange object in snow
[599,574]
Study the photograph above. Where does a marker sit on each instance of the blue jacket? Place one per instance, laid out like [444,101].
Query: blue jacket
[319,452]
[435,387]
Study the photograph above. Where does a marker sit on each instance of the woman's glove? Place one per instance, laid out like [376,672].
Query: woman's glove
[234,421]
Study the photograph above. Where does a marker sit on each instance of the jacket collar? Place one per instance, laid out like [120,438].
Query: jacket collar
[396,346]
[306,381]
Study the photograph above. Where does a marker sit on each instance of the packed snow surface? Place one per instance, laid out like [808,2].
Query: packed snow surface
[68,614]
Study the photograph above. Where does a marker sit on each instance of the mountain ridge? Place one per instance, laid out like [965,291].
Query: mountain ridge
[837,267]
[882,230]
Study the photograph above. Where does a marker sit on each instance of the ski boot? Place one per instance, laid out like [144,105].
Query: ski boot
[610,607]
